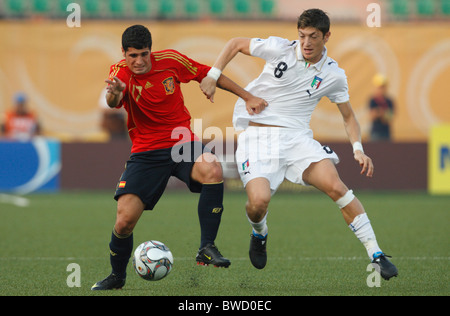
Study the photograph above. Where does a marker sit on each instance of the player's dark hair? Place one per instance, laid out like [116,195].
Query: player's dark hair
[136,36]
[314,18]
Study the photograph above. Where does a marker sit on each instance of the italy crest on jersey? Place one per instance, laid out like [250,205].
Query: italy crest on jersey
[316,82]
[169,85]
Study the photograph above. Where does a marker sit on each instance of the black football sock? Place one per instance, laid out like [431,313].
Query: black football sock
[120,247]
[210,210]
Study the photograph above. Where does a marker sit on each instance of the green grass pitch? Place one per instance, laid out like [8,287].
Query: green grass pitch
[310,249]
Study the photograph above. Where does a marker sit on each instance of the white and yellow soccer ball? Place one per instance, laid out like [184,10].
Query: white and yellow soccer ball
[152,260]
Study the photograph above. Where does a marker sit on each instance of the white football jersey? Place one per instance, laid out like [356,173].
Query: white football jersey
[291,86]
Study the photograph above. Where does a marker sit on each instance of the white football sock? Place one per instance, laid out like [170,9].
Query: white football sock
[261,227]
[364,232]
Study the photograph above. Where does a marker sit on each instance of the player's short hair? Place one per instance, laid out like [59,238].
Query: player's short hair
[314,18]
[136,36]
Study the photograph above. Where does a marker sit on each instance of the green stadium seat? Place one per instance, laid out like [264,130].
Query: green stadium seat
[116,7]
[141,7]
[266,6]
[242,6]
[61,9]
[62,5]
[445,7]
[16,6]
[399,7]
[217,6]
[91,6]
[425,7]
[166,8]
[191,7]
[40,6]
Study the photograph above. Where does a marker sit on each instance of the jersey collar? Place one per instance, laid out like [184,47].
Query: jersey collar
[317,65]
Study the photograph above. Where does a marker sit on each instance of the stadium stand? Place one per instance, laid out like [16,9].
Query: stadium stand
[217,7]
[445,7]
[173,9]
[242,6]
[425,7]
[397,10]
[116,7]
[91,7]
[266,6]
[16,6]
[141,7]
[40,6]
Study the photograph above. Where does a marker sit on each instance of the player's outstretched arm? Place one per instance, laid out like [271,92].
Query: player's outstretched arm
[231,49]
[253,104]
[114,92]
[354,134]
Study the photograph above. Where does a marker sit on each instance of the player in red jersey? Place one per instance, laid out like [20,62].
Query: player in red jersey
[147,85]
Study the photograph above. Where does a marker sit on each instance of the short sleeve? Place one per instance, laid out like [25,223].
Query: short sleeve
[339,93]
[268,49]
[187,68]
[118,70]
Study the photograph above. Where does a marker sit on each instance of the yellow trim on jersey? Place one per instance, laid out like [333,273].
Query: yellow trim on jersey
[116,68]
[172,55]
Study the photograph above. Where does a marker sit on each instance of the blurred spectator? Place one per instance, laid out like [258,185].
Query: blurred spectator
[113,121]
[20,123]
[381,110]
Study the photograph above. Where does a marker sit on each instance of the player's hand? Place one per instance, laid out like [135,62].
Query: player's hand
[255,105]
[365,162]
[115,86]
[208,87]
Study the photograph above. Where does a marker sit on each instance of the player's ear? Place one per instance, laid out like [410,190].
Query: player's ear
[123,52]
[326,37]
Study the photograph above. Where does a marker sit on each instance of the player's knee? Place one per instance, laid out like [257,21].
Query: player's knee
[215,173]
[123,227]
[207,172]
[124,224]
[129,209]
[257,206]
[336,190]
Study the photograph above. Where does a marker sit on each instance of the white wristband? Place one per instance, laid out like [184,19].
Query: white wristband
[357,146]
[214,73]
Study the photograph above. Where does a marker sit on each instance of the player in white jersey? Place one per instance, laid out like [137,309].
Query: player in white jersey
[278,143]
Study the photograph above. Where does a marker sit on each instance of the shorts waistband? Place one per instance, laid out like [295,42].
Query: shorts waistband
[262,125]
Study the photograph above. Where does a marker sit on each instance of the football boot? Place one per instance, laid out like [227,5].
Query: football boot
[111,282]
[382,264]
[258,251]
[211,255]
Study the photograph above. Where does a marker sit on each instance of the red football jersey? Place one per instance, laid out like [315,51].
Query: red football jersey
[20,126]
[157,115]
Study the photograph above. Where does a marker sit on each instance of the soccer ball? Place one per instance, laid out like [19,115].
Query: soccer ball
[152,260]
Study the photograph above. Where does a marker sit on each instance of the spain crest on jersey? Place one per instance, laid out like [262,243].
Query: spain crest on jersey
[316,82]
[169,85]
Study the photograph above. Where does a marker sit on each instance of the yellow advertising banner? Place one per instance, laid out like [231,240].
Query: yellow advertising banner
[439,160]
[62,70]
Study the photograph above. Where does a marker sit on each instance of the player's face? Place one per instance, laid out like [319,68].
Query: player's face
[312,42]
[138,60]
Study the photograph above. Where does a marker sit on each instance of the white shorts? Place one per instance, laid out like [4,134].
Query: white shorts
[276,153]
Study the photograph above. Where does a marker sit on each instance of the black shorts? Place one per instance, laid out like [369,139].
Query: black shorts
[147,173]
